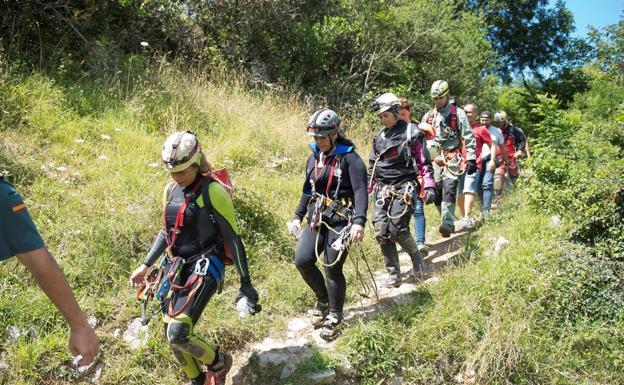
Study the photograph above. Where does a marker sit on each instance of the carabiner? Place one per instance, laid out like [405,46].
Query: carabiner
[201,266]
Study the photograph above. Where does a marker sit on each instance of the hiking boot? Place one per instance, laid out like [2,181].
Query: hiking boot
[331,327]
[415,277]
[466,223]
[218,372]
[393,281]
[318,314]
[424,250]
[446,230]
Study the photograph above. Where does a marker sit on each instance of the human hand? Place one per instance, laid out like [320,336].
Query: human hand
[247,291]
[138,275]
[430,195]
[294,228]
[357,233]
[492,165]
[83,342]
[518,154]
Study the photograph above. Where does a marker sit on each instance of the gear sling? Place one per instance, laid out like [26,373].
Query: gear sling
[447,156]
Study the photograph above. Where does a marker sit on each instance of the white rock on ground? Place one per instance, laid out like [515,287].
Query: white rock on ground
[324,377]
[92,321]
[433,280]
[267,359]
[136,334]
[297,324]
[555,221]
[500,243]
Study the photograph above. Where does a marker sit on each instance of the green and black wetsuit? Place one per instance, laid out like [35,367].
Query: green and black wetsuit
[207,228]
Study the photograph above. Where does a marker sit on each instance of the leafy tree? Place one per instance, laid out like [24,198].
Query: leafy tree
[527,35]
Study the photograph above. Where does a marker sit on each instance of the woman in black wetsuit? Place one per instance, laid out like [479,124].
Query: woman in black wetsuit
[199,237]
[335,200]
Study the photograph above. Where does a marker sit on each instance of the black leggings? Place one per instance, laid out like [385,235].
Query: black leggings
[332,289]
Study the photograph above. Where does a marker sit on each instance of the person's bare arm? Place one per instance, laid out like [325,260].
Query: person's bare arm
[48,275]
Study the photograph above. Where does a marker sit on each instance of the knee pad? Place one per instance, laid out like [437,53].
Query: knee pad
[178,333]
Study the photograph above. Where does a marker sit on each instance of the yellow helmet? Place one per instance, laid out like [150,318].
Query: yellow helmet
[439,88]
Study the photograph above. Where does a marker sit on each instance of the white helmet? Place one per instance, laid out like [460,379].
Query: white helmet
[386,102]
[181,149]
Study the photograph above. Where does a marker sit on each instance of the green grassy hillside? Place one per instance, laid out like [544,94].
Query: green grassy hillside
[85,155]
[86,159]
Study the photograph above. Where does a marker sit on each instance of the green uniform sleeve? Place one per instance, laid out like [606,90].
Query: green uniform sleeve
[18,233]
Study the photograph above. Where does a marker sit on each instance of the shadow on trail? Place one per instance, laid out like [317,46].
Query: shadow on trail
[275,359]
[443,251]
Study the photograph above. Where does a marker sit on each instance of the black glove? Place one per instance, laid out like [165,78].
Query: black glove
[471,166]
[430,195]
[247,290]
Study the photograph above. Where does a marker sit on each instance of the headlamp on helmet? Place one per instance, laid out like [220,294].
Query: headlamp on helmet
[181,150]
[322,123]
[386,102]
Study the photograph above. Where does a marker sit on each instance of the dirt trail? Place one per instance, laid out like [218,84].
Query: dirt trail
[283,350]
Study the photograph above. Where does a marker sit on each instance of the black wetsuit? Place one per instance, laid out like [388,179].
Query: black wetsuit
[348,184]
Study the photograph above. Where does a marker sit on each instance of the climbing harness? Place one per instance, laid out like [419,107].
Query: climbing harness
[389,193]
[205,263]
[162,281]
[453,158]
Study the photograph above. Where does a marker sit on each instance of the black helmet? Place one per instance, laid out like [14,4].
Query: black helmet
[323,122]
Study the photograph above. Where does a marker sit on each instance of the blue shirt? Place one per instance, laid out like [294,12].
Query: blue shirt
[18,233]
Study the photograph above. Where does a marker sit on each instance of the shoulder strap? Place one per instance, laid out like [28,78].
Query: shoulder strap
[453,116]
[167,192]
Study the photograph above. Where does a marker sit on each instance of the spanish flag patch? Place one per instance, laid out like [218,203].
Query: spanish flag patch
[19,207]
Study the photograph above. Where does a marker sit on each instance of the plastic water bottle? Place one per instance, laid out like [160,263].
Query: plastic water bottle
[243,308]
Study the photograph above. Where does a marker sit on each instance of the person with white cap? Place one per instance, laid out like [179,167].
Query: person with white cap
[397,169]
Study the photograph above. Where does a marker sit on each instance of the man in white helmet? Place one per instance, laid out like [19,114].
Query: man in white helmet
[398,168]
[455,137]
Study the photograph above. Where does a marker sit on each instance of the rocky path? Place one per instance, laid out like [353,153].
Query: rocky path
[282,351]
